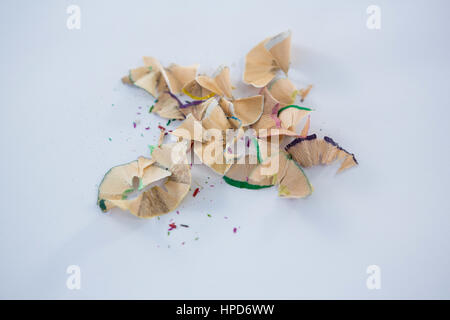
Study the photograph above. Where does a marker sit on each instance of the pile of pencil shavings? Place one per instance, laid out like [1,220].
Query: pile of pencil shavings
[251,141]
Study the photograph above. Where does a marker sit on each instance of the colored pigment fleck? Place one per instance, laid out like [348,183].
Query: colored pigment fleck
[292,106]
[109,139]
[187,104]
[102,205]
[234,230]
[151,109]
[134,124]
[244,184]
[196,192]
[172,226]
[148,128]
[209,215]
[161,128]
[168,122]
[126,192]
[196,238]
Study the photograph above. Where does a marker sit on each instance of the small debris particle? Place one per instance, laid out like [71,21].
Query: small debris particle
[178,212]
[182,243]
[196,192]
[109,139]
[184,225]
[172,226]
[196,238]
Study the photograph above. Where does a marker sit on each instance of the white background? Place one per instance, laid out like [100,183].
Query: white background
[382,94]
